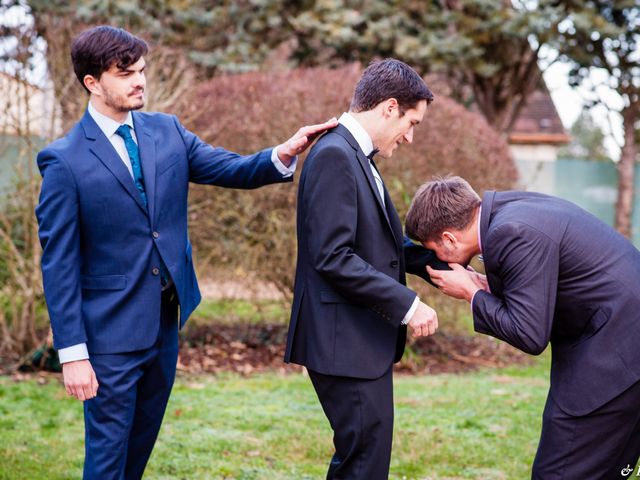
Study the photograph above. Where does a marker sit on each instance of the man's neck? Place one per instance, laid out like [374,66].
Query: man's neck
[100,107]
[474,231]
[368,121]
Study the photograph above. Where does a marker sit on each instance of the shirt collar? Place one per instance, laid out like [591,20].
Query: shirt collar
[358,132]
[106,124]
[479,237]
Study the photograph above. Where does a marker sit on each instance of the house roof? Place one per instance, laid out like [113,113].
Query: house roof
[538,122]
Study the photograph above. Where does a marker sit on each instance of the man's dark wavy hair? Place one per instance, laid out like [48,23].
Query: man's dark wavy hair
[389,78]
[96,50]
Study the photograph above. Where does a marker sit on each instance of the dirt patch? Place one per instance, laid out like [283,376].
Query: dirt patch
[246,349]
[249,348]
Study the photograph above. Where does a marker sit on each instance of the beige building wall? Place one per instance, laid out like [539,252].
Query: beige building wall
[534,153]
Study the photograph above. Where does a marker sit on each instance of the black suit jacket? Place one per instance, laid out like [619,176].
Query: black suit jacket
[350,295]
[558,274]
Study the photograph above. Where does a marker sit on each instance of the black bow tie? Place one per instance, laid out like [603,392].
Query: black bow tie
[373,153]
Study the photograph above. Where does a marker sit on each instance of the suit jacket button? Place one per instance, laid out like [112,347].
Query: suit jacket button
[155,234]
[156,271]
[394,264]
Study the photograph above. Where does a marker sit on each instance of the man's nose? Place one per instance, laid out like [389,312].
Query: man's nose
[139,79]
[408,137]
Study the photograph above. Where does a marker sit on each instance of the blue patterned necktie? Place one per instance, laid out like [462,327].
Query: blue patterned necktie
[134,155]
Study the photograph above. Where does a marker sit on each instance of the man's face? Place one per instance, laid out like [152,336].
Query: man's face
[450,250]
[123,90]
[399,129]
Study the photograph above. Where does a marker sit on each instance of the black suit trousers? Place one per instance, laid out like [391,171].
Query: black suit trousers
[603,445]
[361,415]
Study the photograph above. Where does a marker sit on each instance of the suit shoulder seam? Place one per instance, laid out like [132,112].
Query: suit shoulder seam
[63,161]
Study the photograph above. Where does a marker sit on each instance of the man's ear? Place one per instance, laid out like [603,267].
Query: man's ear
[390,105]
[91,83]
[449,239]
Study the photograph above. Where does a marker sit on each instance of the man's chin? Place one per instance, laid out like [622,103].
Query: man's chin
[132,106]
[466,263]
[138,105]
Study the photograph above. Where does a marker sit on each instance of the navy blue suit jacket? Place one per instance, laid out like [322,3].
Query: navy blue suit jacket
[350,295]
[102,247]
[559,275]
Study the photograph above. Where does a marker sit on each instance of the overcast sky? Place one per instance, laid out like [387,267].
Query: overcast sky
[569,102]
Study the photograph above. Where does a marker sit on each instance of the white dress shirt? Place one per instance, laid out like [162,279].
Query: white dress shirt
[109,127]
[480,246]
[366,145]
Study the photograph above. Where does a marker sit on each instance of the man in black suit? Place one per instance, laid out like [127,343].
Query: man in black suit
[351,305]
[554,274]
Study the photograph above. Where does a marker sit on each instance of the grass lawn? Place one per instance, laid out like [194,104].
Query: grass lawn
[231,311]
[473,426]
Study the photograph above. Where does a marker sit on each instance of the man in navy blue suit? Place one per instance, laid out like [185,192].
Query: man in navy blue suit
[557,275]
[116,261]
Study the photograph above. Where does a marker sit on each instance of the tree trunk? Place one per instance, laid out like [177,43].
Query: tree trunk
[502,97]
[626,171]
[58,31]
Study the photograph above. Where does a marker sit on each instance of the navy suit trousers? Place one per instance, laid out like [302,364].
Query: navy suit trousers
[122,422]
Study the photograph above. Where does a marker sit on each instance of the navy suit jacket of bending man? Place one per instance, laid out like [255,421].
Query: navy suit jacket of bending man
[102,248]
[558,274]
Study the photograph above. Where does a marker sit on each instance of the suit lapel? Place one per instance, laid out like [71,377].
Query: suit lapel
[394,219]
[487,208]
[104,151]
[366,169]
[147,159]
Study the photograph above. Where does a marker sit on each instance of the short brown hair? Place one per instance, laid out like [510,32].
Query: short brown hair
[443,203]
[389,78]
[96,50]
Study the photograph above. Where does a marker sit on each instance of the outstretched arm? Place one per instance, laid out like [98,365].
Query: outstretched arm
[217,166]
[417,258]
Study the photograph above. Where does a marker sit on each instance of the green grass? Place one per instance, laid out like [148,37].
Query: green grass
[229,311]
[473,426]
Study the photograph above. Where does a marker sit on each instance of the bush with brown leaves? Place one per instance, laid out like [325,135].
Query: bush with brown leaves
[253,233]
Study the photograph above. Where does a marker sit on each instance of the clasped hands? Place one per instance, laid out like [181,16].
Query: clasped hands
[459,282]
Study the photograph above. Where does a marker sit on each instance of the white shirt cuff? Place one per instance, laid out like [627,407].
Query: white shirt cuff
[284,170]
[73,353]
[471,302]
[412,310]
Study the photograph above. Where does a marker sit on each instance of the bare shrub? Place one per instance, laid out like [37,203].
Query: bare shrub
[25,120]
